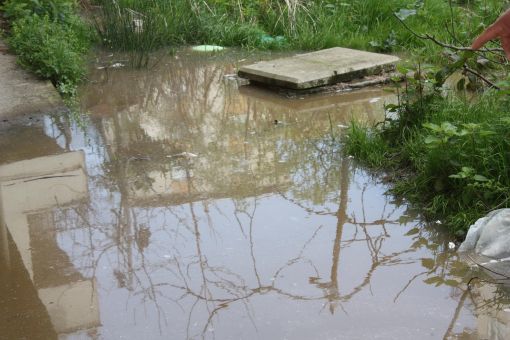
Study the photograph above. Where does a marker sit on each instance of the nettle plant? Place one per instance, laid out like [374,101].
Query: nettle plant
[420,86]
[417,87]
[59,10]
[470,158]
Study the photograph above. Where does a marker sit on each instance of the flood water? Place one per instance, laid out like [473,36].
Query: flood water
[187,207]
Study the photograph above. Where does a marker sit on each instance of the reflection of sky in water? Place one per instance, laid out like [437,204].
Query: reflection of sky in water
[268,233]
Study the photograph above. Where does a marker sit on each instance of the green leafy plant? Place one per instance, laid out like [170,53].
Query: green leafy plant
[50,39]
[448,155]
[60,10]
[50,50]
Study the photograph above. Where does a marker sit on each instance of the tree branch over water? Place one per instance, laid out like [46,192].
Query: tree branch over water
[467,69]
[432,38]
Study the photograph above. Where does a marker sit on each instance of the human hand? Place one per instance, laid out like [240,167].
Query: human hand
[499,29]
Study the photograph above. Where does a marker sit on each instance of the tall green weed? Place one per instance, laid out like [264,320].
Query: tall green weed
[305,25]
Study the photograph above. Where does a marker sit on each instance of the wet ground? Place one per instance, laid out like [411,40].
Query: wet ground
[186,207]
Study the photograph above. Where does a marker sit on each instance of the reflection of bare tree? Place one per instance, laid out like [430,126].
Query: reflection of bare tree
[191,282]
[331,288]
[158,213]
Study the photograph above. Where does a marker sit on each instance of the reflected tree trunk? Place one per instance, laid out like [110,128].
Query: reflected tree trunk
[4,242]
[334,289]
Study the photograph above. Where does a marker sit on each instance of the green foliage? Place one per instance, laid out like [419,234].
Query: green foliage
[368,146]
[50,39]
[60,10]
[148,25]
[305,25]
[454,152]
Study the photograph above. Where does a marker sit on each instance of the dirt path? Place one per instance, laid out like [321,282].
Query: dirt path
[21,93]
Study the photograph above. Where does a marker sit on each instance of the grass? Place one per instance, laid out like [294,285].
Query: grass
[302,25]
[50,39]
[448,154]
[149,25]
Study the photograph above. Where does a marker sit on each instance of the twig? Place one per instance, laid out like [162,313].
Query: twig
[488,269]
[453,47]
[487,81]
[477,52]
[432,38]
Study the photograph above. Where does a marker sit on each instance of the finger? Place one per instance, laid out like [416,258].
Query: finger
[505,43]
[505,16]
[493,32]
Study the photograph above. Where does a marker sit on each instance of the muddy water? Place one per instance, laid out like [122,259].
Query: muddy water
[190,208]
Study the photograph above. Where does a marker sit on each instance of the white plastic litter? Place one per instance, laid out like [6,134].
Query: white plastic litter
[138,25]
[207,48]
[490,236]
[184,154]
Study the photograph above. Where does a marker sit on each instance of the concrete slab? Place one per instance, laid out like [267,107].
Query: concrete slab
[326,67]
[22,93]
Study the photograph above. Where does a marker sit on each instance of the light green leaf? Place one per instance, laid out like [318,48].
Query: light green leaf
[432,140]
[404,13]
[480,178]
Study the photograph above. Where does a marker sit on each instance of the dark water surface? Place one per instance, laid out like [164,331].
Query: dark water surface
[190,208]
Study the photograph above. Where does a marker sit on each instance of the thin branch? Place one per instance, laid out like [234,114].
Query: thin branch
[432,38]
[488,269]
[429,37]
[487,81]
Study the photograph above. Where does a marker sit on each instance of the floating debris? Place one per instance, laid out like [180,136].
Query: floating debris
[183,154]
[207,48]
[116,65]
[269,40]
[451,245]
[138,25]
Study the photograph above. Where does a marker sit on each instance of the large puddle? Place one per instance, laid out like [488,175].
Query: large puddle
[190,208]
